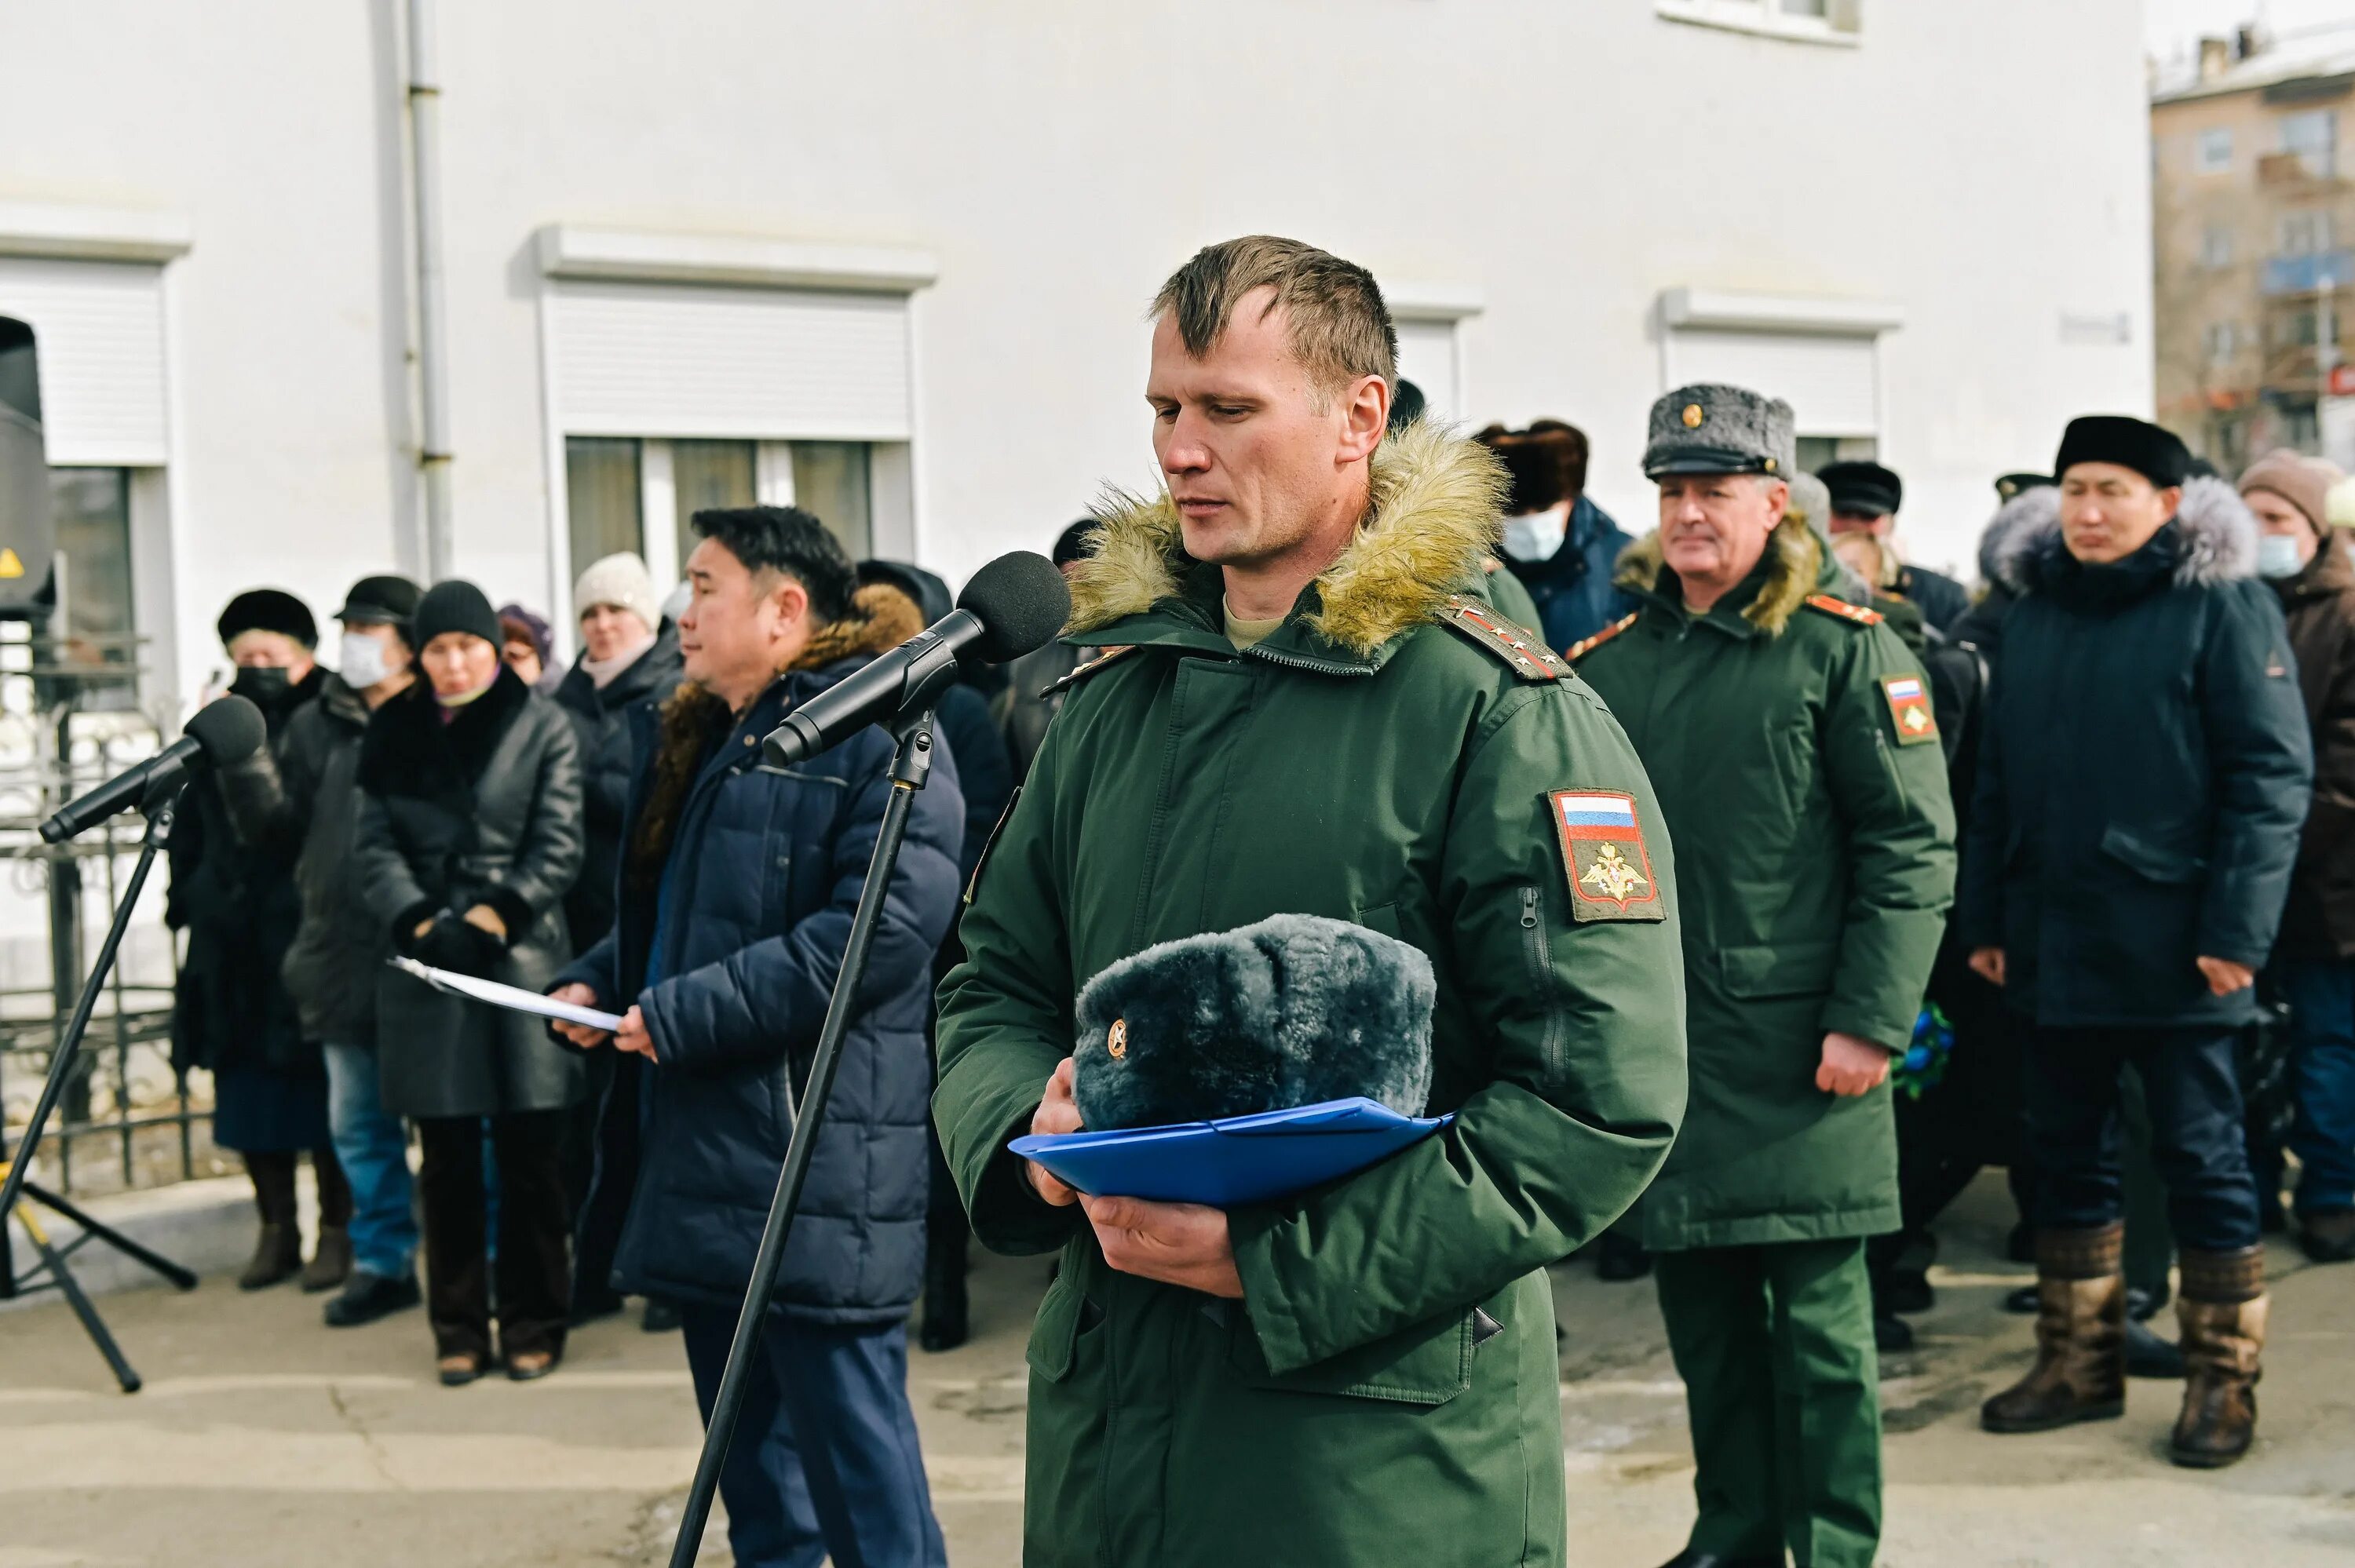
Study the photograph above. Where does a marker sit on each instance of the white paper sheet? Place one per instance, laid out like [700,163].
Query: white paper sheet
[513,998]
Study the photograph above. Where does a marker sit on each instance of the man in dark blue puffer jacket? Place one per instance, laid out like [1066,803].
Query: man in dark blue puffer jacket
[737,885]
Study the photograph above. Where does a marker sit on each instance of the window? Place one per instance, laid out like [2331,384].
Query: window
[2299,329]
[642,496]
[2305,233]
[2313,137]
[704,475]
[605,497]
[2212,154]
[2216,248]
[1818,453]
[92,509]
[1812,21]
[2224,339]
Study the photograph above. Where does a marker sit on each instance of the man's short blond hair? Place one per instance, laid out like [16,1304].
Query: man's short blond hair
[1340,330]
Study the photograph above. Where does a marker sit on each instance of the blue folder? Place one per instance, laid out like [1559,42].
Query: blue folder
[1237,1160]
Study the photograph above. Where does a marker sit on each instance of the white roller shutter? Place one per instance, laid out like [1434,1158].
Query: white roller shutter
[1832,383]
[656,359]
[98,328]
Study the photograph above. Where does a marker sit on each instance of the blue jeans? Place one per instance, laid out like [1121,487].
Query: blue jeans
[2321,997]
[2197,1140]
[373,1149]
[826,1459]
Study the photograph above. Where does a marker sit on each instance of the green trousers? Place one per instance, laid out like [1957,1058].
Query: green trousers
[1774,1344]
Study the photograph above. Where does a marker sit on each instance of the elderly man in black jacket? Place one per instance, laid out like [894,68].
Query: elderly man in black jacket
[2143,775]
[737,887]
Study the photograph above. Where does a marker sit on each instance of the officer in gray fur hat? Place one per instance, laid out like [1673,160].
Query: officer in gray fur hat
[1791,740]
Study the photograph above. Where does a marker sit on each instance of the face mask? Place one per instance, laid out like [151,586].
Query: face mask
[364,660]
[1537,535]
[260,684]
[2277,555]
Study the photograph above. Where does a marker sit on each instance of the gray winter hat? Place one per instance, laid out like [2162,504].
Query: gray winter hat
[1292,1011]
[1712,428]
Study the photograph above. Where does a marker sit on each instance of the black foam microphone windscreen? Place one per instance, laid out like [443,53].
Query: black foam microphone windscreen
[227,731]
[1020,600]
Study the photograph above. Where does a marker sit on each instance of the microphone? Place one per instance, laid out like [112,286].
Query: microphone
[217,733]
[1013,605]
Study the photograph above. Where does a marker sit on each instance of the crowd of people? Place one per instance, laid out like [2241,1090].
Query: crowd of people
[1774,884]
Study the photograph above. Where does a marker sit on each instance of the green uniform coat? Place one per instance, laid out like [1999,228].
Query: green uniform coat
[1386,1391]
[1815,862]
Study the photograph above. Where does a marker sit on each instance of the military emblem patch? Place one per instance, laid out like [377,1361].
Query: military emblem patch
[1603,850]
[1909,706]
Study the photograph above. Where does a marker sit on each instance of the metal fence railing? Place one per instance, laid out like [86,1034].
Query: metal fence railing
[129,1118]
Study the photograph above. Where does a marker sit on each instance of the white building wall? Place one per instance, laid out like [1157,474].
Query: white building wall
[1982,169]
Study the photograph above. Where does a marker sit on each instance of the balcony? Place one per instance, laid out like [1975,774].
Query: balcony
[2309,273]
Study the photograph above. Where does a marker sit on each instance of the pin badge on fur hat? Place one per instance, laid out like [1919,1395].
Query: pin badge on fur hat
[1693,416]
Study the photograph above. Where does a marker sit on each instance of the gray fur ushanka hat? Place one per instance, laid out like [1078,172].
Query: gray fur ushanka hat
[1294,1011]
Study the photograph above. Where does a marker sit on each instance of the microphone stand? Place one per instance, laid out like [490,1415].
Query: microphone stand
[15,1187]
[910,765]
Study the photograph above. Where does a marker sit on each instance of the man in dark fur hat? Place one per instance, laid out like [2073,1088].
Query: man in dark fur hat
[1299,716]
[735,895]
[2144,771]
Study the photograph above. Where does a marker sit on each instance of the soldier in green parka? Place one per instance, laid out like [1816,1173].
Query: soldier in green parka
[1298,716]
[1790,738]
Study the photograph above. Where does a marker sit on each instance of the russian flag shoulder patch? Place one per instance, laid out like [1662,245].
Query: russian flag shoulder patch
[1603,853]
[1910,710]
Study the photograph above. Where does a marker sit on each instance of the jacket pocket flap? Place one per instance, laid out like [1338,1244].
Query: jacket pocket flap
[1778,969]
[1056,1333]
[2144,858]
[1429,1364]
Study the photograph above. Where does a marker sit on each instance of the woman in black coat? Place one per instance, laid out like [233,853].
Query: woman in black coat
[231,1014]
[469,839]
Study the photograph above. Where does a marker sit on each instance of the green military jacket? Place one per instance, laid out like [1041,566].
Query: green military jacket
[1791,740]
[1387,1390]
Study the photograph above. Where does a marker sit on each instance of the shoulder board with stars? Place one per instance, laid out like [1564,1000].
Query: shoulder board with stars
[1090,667]
[1840,609]
[1523,653]
[1585,645]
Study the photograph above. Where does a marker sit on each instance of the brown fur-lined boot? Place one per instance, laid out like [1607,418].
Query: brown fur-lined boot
[2081,1319]
[2222,1309]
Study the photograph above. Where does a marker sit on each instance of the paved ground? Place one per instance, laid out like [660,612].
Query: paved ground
[263,1440]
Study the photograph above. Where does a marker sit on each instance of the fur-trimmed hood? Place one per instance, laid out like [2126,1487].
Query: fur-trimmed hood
[1431,518]
[882,616]
[1794,570]
[2034,510]
[2218,531]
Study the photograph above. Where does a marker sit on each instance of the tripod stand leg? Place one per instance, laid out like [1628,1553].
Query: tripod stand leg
[180,1277]
[71,1288]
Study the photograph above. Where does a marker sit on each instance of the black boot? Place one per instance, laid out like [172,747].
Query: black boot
[278,1250]
[331,1249]
[367,1295]
[2147,1355]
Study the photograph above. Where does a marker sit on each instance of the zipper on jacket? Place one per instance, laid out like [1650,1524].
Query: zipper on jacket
[1294,662]
[1889,766]
[1540,962]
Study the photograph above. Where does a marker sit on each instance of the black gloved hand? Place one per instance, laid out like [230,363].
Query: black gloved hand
[462,948]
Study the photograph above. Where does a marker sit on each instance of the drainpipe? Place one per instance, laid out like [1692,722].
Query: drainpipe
[432,350]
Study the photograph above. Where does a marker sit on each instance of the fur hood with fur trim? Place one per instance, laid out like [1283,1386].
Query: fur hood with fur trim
[1794,570]
[1431,518]
[882,616]
[2219,539]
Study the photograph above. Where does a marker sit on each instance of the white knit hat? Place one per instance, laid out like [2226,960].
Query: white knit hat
[621,581]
